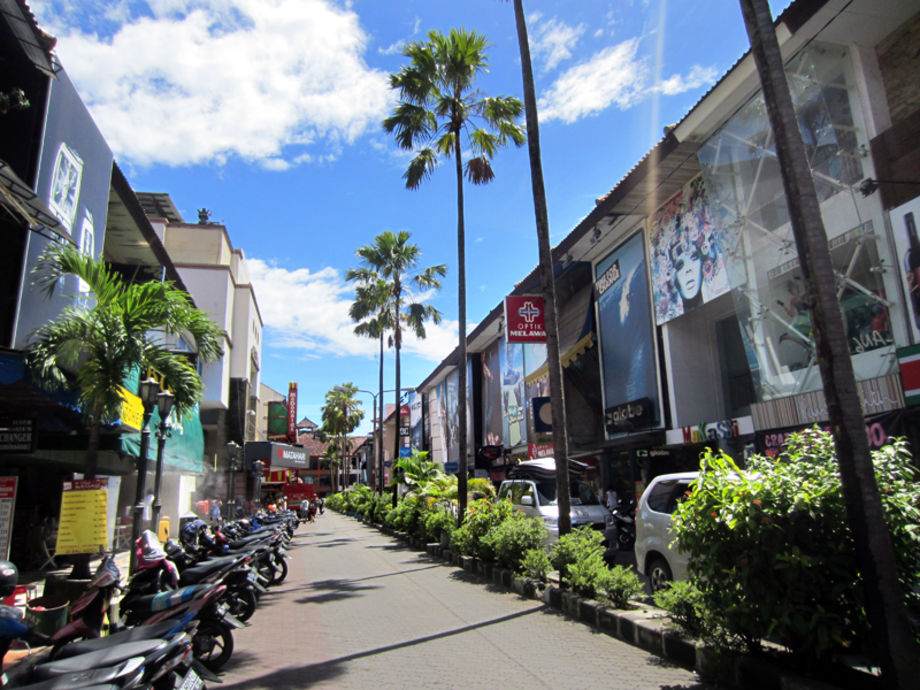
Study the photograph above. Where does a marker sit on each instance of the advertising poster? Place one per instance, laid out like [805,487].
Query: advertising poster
[415,420]
[83,524]
[626,329]
[904,221]
[492,395]
[535,387]
[452,416]
[511,357]
[7,508]
[686,249]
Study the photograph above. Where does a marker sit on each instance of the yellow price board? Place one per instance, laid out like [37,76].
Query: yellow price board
[83,526]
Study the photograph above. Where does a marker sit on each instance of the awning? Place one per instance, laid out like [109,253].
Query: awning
[19,199]
[576,331]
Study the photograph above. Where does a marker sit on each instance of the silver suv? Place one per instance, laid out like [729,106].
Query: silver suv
[532,490]
[656,558]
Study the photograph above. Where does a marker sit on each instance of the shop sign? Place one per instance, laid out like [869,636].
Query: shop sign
[7,510]
[17,434]
[404,431]
[629,416]
[524,319]
[83,521]
[289,457]
[879,430]
[909,361]
[292,412]
[539,450]
[711,431]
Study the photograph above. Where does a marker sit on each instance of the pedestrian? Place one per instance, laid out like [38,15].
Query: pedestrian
[214,511]
[311,511]
[304,510]
[322,505]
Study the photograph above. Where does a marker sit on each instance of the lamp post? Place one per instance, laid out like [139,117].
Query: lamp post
[147,389]
[233,453]
[165,402]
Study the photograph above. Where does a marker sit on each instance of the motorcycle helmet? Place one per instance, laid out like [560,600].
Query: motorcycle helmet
[9,578]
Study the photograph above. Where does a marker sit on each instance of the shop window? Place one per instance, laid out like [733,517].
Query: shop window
[737,384]
[745,194]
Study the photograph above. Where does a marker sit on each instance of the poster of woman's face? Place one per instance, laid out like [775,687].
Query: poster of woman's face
[686,249]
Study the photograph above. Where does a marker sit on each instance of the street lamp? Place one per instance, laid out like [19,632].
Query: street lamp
[165,401]
[147,390]
[233,453]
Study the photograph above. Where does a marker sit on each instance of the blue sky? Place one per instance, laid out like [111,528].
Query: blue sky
[268,112]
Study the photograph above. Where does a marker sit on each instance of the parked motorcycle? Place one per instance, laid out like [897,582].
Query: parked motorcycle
[624,520]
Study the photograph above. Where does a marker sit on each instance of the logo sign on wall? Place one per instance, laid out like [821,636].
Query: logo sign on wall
[524,319]
[628,416]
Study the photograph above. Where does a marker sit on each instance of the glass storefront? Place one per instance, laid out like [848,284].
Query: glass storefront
[745,194]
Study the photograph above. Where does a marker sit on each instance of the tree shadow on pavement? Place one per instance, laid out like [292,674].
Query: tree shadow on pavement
[312,674]
[333,590]
[333,542]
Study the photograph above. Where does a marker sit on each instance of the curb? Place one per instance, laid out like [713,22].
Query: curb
[644,626]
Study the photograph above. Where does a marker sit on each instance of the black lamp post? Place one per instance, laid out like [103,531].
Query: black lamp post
[165,402]
[147,389]
[233,454]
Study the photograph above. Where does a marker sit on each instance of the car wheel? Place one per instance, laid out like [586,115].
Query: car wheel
[659,574]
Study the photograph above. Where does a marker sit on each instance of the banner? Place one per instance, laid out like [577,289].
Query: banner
[83,524]
[7,508]
[524,319]
[292,413]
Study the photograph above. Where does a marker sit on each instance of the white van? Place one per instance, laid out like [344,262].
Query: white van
[531,487]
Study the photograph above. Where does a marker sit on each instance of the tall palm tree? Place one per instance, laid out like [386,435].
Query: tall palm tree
[393,259]
[341,415]
[895,644]
[439,103]
[371,309]
[93,348]
[547,278]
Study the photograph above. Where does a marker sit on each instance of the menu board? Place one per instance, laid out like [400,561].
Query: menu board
[7,506]
[83,527]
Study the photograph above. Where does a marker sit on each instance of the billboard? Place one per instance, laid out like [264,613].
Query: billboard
[627,339]
[688,266]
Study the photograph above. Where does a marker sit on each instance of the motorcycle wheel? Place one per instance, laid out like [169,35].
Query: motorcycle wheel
[625,540]
[212,644]
[242,603]
[282,571]
[268,571]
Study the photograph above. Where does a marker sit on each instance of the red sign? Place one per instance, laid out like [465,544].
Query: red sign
[539,450]
[292,412]
[524,319]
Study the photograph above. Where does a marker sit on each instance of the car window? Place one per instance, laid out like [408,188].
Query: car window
[664,495]
[504,490]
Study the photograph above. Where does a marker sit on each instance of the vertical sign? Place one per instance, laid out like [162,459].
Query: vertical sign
[83,526]
[292,412]
[7,506]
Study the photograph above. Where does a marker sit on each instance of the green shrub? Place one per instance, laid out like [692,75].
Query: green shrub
[621,585]
[511,539]
[405,515]
[439,520]
[685,606]
[480,517]
[535,564]
[586,576]
[787,517]
[582,543]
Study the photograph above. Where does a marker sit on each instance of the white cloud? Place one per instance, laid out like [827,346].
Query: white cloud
[698,76]
[307,311]
[552,41]
[614,76]
[195,81]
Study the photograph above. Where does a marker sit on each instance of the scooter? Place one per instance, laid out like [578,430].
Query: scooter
[624,519]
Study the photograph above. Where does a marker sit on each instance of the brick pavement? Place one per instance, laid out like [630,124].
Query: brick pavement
[359,609]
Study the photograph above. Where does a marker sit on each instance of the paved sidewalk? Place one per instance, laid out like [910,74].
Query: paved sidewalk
[361,610]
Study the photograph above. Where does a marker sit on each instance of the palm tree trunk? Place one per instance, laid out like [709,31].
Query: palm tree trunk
[378,440]
[894,644]
[547,279]
[461,352]
[397,343]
